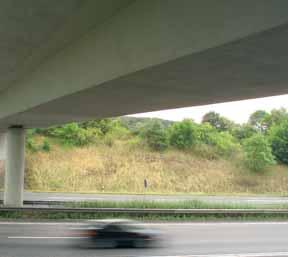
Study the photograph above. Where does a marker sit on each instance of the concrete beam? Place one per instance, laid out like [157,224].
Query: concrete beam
[145,34]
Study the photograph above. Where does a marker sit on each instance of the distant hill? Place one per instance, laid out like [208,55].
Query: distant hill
[134,123]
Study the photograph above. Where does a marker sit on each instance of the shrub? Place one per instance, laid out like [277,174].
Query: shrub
[31,145]
[119,132]
[103,125]
[204,133]
[73,134]
[242,132]
[134,143]
[155,136]
[184,134]
[30,142]
[224,143]
[258,153]
[46,146]
[278,135]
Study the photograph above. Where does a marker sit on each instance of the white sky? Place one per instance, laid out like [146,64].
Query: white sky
[237,111]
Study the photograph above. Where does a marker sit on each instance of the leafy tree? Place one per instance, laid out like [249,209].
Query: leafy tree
[104,125]
[217,121]
[205,132]
[258,120]
[279,140]
[184,134]
[224,143]
[244,131]
[136,124]
[275,117]
[117,132]
[73,134]
[155,136]
[258,153]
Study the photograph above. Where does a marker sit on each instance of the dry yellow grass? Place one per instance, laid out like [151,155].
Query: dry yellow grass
[123,169]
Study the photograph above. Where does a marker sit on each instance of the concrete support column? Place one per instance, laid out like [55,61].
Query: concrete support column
[14,173]
[2,147]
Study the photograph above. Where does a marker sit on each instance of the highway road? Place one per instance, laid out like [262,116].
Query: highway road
[182,239]
[112,197]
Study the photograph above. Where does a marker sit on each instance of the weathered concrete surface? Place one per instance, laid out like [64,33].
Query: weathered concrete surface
[134,56]
[14,168]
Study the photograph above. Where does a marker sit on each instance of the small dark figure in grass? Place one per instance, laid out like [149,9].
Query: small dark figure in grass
[145,183]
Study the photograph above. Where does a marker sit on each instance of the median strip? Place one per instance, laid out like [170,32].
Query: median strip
[145,210]
[145,214]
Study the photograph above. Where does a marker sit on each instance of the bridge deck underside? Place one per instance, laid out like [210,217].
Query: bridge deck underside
[252,67]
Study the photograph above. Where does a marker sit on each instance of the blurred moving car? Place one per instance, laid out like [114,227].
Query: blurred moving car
[117,233]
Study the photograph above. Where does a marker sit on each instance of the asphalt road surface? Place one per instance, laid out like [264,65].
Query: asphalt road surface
[112,197]
[182,239]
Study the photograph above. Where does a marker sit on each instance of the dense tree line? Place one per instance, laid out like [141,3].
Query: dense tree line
[261,142]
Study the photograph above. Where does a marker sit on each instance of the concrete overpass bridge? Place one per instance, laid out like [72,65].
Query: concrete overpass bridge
[75,60]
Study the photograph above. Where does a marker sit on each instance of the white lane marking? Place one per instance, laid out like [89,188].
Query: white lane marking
[44,237]
[271,254]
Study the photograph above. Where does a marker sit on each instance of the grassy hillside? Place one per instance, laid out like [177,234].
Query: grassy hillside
[117,155]
[123,168]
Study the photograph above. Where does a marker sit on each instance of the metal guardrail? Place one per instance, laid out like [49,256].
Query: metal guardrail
[37,206]
[136,211]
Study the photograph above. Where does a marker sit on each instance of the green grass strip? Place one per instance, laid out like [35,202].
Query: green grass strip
[18,215]
[188,204]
